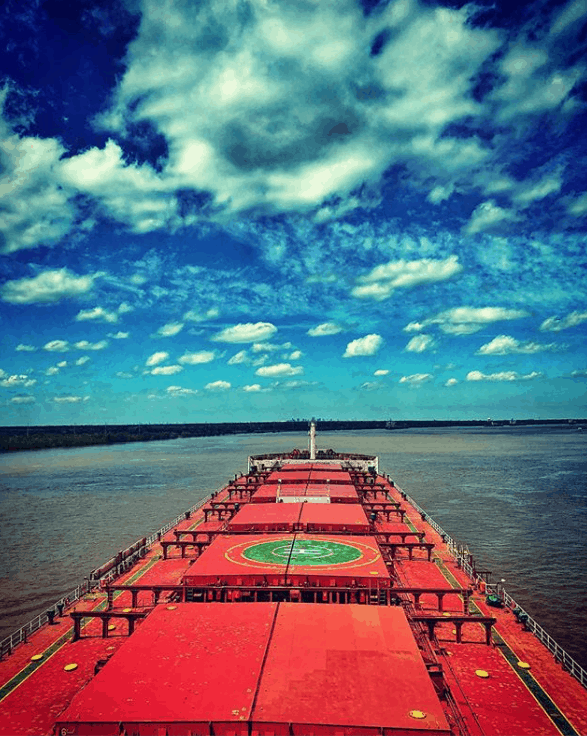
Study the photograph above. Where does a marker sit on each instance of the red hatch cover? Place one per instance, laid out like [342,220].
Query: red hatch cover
[345,669]
[334,476]
[342,517]
[285,668]
[266,517]
[265,494]
[292,476]
[181,669]
[300,559]
[290,467]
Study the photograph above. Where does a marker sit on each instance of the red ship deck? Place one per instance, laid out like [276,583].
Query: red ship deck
[344,631]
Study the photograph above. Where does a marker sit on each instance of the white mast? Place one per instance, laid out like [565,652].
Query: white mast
[312,440]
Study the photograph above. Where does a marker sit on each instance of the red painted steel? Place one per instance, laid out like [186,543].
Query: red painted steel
[266,517]
[334,476]
[223,563]
[325,517]
[338,667]
[293,476]
[265,494]
[192,665]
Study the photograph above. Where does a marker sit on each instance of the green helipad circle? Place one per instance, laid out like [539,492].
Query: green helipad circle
[302,552]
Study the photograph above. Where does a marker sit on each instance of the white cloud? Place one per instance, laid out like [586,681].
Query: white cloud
[489,216]
[25,348]
[416,379]
[170,329]
[253,387]
[22,399]
[193,316]
[381,372]
[71,399]
[451,382]
[133,194]
[280,369]
[48,287]
[296,355]
[507,376]
[52,370]
[556,324]
[506,345]
[202,356]
[371,385]
[577,206]
[56,346]
[97,313]
[247,332]
[382,281]
[420,343]
[467,320]
[570,14]
[367,345]
[264,347]
[85,345]
[17,380]
[324,329]
[125,308]
[166,370]
[537,190]
[118,335]
[218,386]
[579,373]
[240,357]
[123,374]
[157,358]
[35,208]
[179,391]
[82,361]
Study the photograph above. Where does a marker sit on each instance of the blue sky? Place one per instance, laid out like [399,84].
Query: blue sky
[254,210]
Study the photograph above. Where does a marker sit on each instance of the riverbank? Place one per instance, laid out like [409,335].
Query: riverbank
[14,439]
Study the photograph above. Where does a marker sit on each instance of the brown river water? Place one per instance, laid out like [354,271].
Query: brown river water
[516,496]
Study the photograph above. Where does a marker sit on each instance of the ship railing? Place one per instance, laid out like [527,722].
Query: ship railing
[21,635]
[463,560]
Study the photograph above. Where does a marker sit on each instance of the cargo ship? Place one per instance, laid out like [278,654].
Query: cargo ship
[309,595]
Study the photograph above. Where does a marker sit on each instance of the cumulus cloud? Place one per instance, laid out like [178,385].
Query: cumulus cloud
[22,399]
[252,387]
[157,358]
[56,346]
[247,332]
[25,348]
[170,329]
[98,313]
[218,386]
[240,357]
[202,356]
[82,361]
[506,345]
[381,372]
[489,217]
[384,279]
[420,343]
[451,382]
[324,329]
[466,320]
[118,335]
[17,380]
[556,324]
[193,316]
[179,391]
[85,345]
[48,287]
[166,370]
[502,376]
[416,379]
[296,355]
[280,369]
[362,346]
[71,399]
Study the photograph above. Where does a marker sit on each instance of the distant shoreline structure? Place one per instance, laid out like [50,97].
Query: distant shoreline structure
[20,438]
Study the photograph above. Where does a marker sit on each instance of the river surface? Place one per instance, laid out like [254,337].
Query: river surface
[517,496]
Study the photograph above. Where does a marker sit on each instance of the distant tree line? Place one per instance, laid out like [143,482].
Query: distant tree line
[36,438]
